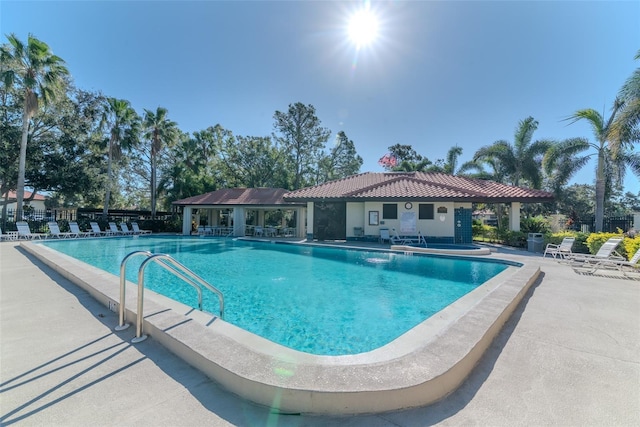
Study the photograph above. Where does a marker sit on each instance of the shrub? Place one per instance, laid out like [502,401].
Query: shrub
[536,224]
[579,246]
[631,245]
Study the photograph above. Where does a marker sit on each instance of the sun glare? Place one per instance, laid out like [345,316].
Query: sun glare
[363,28]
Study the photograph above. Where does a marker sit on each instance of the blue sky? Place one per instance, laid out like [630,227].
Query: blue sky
[439,74]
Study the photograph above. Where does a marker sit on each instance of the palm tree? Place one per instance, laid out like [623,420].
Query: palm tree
[612,156]
[39,74]
[160,131]
[626,125]
[122,122]
[519,162]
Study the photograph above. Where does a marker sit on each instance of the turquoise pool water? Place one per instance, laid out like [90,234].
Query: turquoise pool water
[318,300]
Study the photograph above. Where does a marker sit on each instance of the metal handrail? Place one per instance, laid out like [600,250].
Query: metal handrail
[173,266]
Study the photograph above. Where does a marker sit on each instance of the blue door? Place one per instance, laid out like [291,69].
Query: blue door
[462,225]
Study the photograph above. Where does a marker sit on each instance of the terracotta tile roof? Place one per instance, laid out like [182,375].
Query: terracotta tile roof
[417,185]
[27,194]
[239,197]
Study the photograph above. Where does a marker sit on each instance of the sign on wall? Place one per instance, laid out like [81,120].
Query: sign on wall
[408,223]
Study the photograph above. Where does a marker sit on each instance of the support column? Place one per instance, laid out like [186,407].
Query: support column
[186,220]
[514,216]
[238,222]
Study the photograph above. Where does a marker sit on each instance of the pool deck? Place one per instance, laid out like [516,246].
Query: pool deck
[569,355]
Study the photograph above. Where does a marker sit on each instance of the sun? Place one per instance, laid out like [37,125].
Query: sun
[363,28]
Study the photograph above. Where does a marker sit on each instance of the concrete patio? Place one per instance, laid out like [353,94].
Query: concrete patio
[570,355]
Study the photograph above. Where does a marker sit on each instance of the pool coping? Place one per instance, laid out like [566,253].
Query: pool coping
[421,367]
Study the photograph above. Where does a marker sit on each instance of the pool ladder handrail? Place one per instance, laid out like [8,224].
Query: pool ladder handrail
[171,265]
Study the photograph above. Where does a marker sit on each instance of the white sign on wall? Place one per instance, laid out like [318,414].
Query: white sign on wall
[408,223]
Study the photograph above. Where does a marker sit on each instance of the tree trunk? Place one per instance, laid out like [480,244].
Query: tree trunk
[22,163]
[600,187]
[107,195]
[153,187]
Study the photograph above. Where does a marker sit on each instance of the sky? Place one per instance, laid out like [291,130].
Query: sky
[438,74]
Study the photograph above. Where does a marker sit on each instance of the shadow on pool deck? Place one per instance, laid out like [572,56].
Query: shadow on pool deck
[570,354]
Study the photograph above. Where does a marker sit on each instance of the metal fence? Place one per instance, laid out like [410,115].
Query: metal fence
[610,224]
[38,219]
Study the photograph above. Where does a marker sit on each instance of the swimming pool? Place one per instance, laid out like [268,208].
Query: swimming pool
[319,300]
[420,367]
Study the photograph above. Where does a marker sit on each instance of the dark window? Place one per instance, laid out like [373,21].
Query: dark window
[390,211]
[425,211]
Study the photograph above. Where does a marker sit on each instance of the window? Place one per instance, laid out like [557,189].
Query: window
[425,211]
[389,211]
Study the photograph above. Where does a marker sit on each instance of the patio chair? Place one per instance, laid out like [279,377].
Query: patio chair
[406,240]
[384,235]
[75,228]
[125,229]
[613,263]
[258,231]
[606,251]
[24,232]
[54,231]
[98,231]
[114,229]
[561,250]
[137,230]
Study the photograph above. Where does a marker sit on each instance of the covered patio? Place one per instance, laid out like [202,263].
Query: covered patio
[243,212]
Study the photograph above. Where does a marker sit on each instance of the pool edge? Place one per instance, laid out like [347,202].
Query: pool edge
[315,384]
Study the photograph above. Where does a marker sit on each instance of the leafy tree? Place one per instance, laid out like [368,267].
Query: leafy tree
[342,160]
[251,161]
[626,126]
[302,138]
[520,162]
[161,132]
[122,124]
[612,159]
[39,74]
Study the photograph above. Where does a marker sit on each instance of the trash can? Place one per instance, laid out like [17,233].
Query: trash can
[535,242]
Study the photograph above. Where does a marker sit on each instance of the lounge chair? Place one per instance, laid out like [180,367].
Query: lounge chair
[612,263]
[54,231]
[606,251]
[97,231]
[114,229]
[24,232]
[384,235]
[137,230]
[125,229]
[562,250]
[75,228]
[407,240]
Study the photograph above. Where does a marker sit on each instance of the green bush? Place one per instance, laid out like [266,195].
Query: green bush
[631,245]
[536,224]
[579,246]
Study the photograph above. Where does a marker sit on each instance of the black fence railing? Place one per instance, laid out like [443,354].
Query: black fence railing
[610,224]
[37,219]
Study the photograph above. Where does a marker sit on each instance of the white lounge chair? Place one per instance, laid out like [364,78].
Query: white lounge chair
[137,230]
[606,251]
[24,232]
[125,229]
[562,250]
[384,235]
[75,228]
[99,232]
[114,229]
[54,231]
[406,240]
[612,263]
